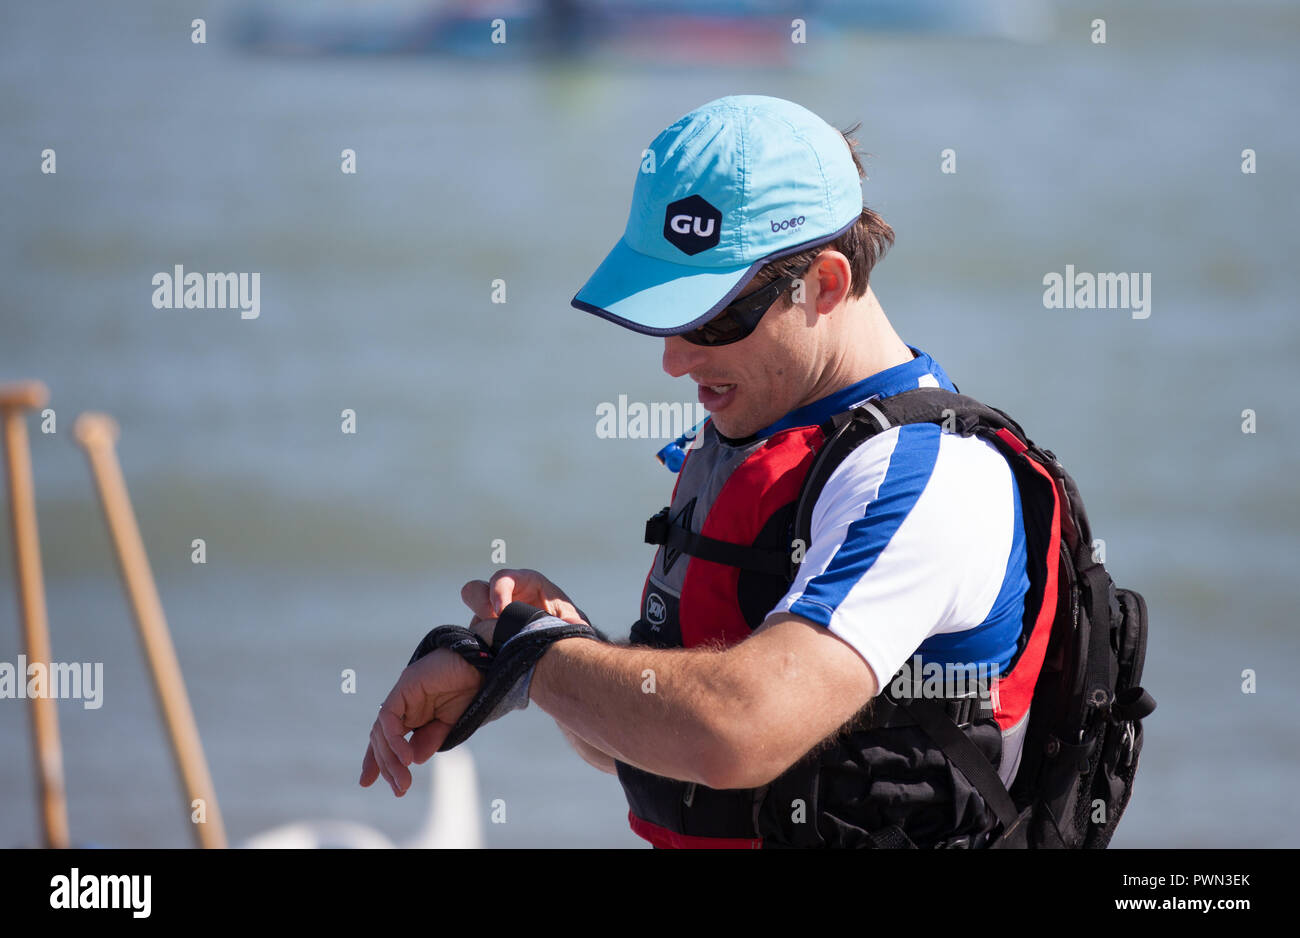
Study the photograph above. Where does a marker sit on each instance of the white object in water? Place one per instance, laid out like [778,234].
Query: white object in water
[452,820]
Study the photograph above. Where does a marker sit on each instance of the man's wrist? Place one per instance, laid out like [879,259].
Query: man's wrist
[527,682]
[522,637]
[547,676]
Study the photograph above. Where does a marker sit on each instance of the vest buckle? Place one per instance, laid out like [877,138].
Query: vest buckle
[656,528]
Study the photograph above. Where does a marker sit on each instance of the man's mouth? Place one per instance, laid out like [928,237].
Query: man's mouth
[715,397]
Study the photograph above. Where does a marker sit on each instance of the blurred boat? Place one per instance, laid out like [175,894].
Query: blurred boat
[703,32]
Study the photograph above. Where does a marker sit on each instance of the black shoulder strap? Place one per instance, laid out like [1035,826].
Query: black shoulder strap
[848,430]
[955,412]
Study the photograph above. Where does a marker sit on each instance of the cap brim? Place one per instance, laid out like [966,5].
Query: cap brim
[657,297]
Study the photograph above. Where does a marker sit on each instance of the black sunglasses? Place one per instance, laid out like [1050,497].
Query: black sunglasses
[738,320]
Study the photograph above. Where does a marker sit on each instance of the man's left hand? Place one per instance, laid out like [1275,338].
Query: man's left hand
[428,699]
[486,598]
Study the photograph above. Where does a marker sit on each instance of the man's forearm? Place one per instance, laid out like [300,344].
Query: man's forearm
[665,711]
[589,753]
[734,718]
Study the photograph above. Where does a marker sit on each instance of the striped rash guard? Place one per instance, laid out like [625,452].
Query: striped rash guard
[918,546]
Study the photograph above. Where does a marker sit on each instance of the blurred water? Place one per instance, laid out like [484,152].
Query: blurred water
[476,420]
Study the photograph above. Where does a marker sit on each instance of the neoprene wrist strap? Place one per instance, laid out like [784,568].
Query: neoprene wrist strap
[454,638]
[522,635]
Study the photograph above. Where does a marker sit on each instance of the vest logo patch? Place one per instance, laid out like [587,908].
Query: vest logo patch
[681,519]
[656,610]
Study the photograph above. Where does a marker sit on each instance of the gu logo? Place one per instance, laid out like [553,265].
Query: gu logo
[692,225]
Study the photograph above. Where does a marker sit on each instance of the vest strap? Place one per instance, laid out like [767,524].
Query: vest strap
[661,530]
[966,756]
[1101,660]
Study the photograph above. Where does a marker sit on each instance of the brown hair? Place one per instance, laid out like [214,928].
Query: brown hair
[863,244]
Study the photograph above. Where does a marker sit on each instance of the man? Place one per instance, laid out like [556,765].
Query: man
[739,715]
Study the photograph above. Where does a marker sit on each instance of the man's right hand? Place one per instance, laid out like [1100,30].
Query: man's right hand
[486,598]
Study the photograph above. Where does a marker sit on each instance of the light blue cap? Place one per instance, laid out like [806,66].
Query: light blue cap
[734,184]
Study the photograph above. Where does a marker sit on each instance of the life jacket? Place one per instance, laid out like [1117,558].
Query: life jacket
[908,771]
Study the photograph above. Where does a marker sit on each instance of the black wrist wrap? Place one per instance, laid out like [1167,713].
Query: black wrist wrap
[454,638]
[516,648]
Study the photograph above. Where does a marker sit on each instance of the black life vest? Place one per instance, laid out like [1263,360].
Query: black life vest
[905,772]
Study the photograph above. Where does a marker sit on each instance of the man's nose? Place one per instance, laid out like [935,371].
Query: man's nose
[681,357]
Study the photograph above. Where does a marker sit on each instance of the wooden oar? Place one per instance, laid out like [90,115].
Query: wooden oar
[97,433]
[15,401]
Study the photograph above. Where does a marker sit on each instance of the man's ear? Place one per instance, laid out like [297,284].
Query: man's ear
[831,277]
